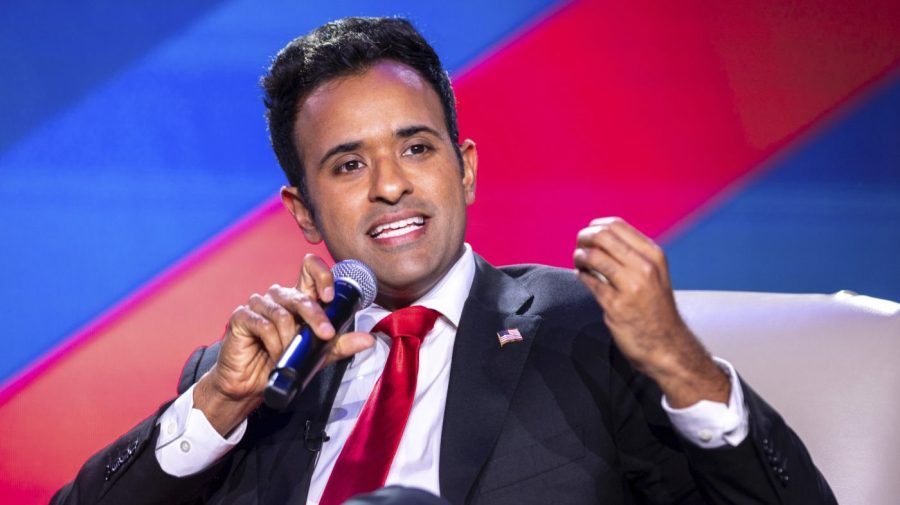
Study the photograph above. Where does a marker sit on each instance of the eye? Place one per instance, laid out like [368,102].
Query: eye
[416,149]
[349,166]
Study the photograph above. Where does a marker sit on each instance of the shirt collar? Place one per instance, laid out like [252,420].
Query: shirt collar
[448,296]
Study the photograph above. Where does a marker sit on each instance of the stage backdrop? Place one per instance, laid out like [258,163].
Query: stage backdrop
[758,141]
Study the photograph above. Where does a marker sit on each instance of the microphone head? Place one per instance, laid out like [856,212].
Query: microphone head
[359,274]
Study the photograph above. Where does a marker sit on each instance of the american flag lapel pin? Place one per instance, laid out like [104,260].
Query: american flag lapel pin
[509,335]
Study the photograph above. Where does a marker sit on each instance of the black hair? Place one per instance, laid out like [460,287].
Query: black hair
[336,49]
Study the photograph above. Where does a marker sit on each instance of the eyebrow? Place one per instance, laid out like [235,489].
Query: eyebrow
[405,132]
[409,131]
[346,147]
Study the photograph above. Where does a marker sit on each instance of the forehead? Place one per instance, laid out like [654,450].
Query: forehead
[361,107]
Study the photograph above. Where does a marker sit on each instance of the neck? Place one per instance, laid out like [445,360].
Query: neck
[392,298]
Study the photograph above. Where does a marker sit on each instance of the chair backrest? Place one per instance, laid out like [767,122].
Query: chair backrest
[830,364]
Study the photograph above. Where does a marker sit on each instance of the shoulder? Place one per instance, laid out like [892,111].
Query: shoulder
[556,292]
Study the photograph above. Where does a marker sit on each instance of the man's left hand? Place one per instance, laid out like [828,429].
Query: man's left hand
[628,275]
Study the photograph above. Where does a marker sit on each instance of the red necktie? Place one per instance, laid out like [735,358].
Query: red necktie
[364,461]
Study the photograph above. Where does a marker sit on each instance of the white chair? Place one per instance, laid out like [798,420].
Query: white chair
[830,364]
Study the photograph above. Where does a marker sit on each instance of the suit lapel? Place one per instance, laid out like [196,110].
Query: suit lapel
[286,460]
[483,376]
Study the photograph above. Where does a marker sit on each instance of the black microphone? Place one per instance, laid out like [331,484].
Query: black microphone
[354,289]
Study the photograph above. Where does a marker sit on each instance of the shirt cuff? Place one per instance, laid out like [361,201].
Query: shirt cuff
[187,443]
[709,424]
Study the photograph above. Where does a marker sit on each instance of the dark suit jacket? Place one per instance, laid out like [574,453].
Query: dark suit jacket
[560,417]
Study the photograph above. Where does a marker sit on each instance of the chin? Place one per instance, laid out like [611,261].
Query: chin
[403,287]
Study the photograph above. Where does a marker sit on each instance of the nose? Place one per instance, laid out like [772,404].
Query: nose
[389,182]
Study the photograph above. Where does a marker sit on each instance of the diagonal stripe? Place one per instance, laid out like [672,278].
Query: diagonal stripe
[164,154]
[172,276]
[824,217]
[646,98]
[44,41]
[611,110]
[114,377]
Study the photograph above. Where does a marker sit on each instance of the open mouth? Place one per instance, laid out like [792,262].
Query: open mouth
[398,228]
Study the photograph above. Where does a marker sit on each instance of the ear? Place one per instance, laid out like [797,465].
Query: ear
[470,168]
[293,202]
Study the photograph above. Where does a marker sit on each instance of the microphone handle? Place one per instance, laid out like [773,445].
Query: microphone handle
[306,353]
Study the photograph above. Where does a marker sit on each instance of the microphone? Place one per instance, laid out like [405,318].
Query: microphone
[354,289]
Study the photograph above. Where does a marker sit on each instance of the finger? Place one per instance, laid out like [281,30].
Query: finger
[594,260]
[603,237]
[316,279]
[246,322]
[605,221]
[305,307]
[349,344]
[602,291]
[638,241]
[597,275]
[284,321]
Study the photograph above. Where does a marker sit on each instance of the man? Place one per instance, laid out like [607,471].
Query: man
[529,384]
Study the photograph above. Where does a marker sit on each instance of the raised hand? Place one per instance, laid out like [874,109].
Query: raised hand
[629,277]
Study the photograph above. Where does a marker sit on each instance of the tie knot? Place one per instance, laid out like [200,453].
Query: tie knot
[415,321]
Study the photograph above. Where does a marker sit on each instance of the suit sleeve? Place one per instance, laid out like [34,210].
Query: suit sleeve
[127,471]
[776,457]
[770,466]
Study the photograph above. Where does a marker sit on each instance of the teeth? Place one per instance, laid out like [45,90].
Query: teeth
[398,227]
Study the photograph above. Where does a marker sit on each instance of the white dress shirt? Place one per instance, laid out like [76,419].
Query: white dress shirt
[189,444]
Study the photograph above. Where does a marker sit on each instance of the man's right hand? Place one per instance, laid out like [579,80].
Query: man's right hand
[256,336]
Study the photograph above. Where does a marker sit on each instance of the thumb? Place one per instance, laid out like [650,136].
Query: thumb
[349,344]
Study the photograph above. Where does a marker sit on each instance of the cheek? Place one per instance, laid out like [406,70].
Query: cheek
[336,220]
[449,186]
[455,205]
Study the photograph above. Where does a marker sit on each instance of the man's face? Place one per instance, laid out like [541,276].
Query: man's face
[384,178]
